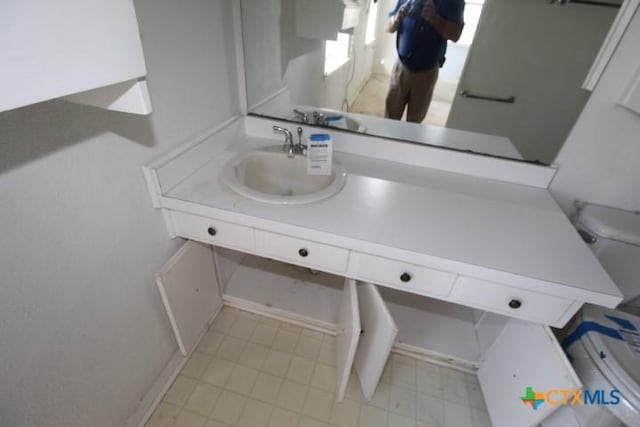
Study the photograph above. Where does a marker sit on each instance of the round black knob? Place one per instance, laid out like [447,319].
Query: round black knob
[303,253]
[405,277]
[515,304]
[212,231]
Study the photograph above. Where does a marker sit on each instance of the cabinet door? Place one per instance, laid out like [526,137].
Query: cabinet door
[57,48]
[379,332]
[348,333]
[525,357]
[190,292]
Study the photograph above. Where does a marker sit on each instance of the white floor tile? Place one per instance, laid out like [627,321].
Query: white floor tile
[476,398]
[253,355]
[255,414]
[345,414]
[180,390]
[300,370]
[354,390]
[381,396]
[480,418]
[266,388]
[264,334]
[285,340]
[327,354]
[214,423]
[164,416]
[396,420]
[218,372]
[401,358]
[243,328]
[241,380]
[283,418]
[456,415]
[289,327]
[318,404]
[197,365]
[402,401]
[231,348]
[308,347]
[452,373]
[228,408]
[403,374]
[324,378]
[312,334]
[276,363]
[224,321]
[430,381]
[370,416]
[430,410]
[189,419]
[291,396]
[310,422]
[210,342]
[454,390]
[203,399]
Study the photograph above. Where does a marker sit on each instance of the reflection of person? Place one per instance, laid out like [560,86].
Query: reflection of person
[423,30]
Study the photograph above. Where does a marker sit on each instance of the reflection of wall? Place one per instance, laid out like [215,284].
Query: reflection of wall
[385,55]
[275,58]
[83,333]
[262,48]
[600,160]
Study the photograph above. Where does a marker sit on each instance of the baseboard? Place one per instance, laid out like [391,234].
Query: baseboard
[278,314]
[161,385]
[435,358]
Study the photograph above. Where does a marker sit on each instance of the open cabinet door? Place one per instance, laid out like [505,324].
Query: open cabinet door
[379,332]
[190,293]
[525,358]
[348,333]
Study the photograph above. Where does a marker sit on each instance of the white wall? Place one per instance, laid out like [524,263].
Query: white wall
[600,161]
[82,330]
[275,57]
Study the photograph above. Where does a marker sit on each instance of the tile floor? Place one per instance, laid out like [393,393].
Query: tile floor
[370,100]
[252,371]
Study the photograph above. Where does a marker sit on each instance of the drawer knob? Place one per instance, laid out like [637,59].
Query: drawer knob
[515,304]
[405,277]
[303,253]
[212,231]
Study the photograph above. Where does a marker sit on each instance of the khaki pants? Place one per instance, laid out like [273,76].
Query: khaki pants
[411,89]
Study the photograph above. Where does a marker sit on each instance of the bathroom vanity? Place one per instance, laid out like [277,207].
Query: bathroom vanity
[457,258]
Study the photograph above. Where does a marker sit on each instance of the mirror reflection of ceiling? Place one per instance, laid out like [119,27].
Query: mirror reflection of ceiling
[510,87]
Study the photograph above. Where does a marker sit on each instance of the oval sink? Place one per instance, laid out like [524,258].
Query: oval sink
[269,176]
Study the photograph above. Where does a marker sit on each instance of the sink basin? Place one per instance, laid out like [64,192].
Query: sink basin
[269,176]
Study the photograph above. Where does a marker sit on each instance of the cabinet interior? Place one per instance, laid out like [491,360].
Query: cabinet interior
[434,330]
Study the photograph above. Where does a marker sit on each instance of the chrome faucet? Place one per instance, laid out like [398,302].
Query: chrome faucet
[303,116]
[289,146]
[318,118]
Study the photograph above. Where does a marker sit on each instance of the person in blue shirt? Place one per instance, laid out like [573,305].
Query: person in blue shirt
[423,29]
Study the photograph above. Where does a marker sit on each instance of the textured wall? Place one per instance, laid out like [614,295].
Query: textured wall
[83,333]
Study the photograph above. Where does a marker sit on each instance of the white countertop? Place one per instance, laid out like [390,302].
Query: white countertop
[446,218]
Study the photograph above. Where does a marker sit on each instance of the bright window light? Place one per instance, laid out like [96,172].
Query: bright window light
[336,53]
[370,35]
[472,11]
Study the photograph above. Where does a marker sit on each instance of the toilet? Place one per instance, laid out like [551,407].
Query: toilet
[603,344]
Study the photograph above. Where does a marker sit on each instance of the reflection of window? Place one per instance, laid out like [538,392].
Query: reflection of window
[472,10]
[336,53]
[370,35]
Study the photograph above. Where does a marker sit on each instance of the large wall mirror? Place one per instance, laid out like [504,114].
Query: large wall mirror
[511,86]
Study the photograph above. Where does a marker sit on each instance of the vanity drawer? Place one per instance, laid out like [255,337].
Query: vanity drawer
[400,275]
[303,252]
[214,231]
[510,301]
